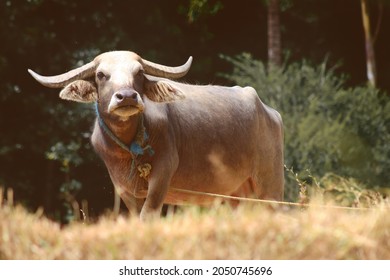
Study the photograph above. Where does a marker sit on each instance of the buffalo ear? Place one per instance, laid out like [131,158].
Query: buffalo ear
[80,91]
[162,91]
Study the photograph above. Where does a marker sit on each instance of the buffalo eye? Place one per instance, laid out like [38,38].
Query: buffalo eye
[140,74]
[100,75]
[139,77]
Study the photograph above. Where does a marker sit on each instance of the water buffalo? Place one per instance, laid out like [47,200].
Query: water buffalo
[161,139]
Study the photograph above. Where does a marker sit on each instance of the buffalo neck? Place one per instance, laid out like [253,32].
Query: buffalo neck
[130,135]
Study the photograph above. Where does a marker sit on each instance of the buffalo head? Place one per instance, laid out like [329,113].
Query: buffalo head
[118,81]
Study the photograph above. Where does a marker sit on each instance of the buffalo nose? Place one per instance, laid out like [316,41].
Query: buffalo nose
[125,95]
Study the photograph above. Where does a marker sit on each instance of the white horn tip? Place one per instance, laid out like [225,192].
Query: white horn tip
[31,72]
[34,75]
[189,61]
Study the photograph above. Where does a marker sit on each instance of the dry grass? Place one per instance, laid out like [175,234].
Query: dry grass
[248,232]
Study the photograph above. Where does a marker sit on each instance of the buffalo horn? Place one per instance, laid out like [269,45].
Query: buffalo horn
[163,71]
[62,80]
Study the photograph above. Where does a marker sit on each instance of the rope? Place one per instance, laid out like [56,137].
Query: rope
[135,149]
[255,200]
[109,132]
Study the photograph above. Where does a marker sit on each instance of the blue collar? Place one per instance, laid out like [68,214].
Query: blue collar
[136,146]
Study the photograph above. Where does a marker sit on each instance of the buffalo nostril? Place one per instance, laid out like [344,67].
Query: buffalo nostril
[134,96]
[119,96]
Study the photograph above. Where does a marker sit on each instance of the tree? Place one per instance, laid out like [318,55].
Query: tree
[369,43]
[274,37]
[371,35]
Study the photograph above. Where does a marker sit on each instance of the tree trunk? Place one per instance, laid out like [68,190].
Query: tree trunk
[274,38]
[369,42]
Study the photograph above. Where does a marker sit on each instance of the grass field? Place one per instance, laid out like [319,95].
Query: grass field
[247,232]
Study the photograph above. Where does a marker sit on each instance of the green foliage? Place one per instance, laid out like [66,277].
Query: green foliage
[66,154]
[328,128]
[334,189]
[348,192]
[199,8]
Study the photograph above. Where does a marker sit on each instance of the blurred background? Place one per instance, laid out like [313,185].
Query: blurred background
[323,64]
